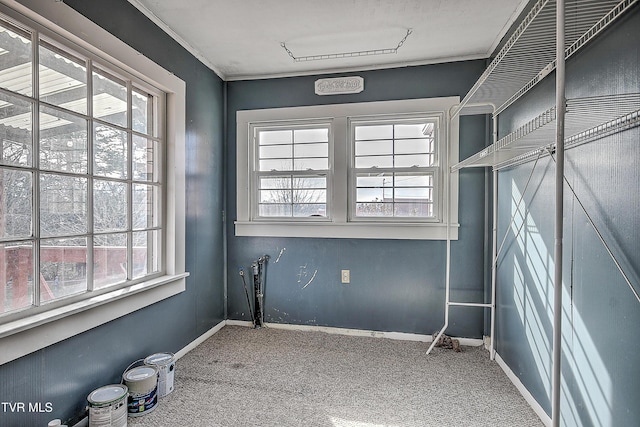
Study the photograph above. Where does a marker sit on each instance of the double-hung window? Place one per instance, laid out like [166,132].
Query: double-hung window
[360,170]
[291,170]
[91,179]
[394,169]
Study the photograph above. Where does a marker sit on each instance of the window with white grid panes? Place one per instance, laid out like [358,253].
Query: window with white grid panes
[80,181]
[291,171]
[355,170]
[394,169]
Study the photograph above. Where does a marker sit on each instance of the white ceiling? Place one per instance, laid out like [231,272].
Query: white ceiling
[242,39]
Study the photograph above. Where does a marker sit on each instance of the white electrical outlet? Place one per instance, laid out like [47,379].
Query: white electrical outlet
[346,276]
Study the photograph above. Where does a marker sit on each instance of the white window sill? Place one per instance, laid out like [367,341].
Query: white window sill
[21,337]
[351,230]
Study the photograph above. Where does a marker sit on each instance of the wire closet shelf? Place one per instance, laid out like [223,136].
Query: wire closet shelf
[586,119]
[529,55]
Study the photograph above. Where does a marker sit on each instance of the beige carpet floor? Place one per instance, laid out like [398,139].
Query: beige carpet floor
[272,377]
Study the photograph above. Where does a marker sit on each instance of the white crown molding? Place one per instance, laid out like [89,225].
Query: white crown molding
[182,42]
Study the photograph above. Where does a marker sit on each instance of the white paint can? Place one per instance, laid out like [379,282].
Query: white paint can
[143,390]
[108,406]
[166,364]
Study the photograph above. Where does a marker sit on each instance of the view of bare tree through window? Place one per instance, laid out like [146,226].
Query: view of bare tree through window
[292,173]
[79,174]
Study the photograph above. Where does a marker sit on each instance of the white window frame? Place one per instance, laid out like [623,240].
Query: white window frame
[339,223]
[435,168]
[256,174]
[25,335]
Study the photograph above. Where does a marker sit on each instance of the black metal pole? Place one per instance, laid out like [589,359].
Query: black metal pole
[246,293]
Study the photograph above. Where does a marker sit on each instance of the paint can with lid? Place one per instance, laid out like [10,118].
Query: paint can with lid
[165,363]
[143,390]
[108,406]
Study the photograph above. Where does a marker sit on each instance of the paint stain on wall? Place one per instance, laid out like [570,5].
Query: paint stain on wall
[305,275]
[311,280]
[280,254]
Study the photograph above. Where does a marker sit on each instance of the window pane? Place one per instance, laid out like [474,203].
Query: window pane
[364,132]
[276,165]
[374,209]
[293,149]
[311,150]
[310,210]
[374,194]
[408,180]
[268,137]
[142,112]
[311,164]
[63,205]
[15,130]
[144,155]
[275,210]
[402,194]
[296,197]
[146,253]
[275,183]
[110,152]
[276,196]
[109,99]
[413,160]
[63,268]
[63,79]
[145,206]
[383,146]
[16,205]
[394,195]
[413,130]
[16,276]
[377,180]
[310,182]
[367,162]
[109,260]
[301,196]
[311,135]
[15,59]
[109,205]
[276,151]
[414,209]
[413,146]
[63,141]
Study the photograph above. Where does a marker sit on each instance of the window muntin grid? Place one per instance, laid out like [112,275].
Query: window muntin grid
[394,169]
[291,171]
[80,174]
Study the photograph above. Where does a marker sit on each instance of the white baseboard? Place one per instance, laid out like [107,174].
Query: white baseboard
[546,419]
[231,322]
[202,338]
[402,336]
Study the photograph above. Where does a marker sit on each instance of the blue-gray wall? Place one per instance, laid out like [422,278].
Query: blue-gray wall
[600,363]
[65,373]
[396,285]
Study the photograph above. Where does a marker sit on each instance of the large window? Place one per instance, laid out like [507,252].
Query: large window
[370,170]
[79,173]
[91,178]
